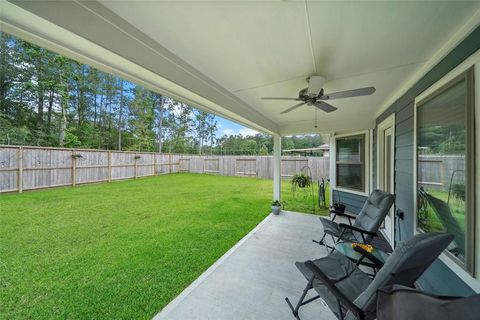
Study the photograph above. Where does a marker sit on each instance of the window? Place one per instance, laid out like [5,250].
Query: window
[445,166]
[350,162]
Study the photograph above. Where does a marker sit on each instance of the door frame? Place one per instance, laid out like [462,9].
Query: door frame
[386,124]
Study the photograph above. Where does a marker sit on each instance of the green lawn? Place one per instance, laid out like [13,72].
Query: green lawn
[121,250]
[301,201]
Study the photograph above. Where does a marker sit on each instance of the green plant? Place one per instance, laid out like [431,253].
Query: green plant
[277,203]
[137,157]
[76,156]
[301,180]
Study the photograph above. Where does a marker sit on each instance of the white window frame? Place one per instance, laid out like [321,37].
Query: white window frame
[388,122]
[474,60]
[367,164]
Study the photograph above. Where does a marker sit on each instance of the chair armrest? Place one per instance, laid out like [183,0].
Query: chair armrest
[346,226]
[345,214]
[334,290]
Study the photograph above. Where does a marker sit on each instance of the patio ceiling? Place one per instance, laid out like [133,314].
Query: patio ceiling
[223,56]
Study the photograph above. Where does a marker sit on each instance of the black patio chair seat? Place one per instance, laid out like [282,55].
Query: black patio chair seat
[333,228]
[348,278]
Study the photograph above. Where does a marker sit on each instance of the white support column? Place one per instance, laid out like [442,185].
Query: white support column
[332,154]
[277,170]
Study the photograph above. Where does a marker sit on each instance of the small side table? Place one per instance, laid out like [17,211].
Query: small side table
[374,259]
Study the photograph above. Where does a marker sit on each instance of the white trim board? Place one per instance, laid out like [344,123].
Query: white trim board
[387,123]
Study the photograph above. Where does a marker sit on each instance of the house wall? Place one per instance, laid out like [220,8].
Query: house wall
[438,278]
[353,202]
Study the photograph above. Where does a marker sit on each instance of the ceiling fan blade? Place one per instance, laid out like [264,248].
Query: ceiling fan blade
[281,98]
[315,84]
[324,106]
[348,93]
[292,108]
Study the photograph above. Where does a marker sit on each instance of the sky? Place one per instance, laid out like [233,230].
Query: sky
[227,127]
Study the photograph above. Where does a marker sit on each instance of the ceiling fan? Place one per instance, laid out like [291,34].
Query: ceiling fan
[314,95]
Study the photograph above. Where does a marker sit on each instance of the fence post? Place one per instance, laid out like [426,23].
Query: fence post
[20,170]
[154,164]
[74,168]
[109,160]
[169,163]
[135,166]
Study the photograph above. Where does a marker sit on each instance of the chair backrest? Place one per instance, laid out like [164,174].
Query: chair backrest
[374,210]
[404,303]
[406,264]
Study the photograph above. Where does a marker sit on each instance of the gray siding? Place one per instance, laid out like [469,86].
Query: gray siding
[438,278]
[353,202]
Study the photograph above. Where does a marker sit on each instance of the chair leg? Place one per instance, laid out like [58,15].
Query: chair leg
[333,247]
[321,240]
[340,311]
[300,301]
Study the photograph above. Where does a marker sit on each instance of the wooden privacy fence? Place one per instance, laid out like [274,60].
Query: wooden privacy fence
[438,171]
[28,168]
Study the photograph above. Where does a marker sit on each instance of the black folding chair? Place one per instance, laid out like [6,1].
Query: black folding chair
[351,293]
[366,224]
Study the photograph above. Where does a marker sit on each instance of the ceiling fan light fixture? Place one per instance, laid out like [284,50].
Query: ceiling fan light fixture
[315,84]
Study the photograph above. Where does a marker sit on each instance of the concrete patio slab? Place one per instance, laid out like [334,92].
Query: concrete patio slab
[253,278]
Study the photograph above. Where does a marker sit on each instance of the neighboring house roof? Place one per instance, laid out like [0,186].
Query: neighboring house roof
[323,147]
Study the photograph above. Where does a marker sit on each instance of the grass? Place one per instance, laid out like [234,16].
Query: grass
[121,250]
[301,200]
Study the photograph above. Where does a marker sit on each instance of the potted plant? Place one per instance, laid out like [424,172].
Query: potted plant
[276,207]
[300,180]
[338,205]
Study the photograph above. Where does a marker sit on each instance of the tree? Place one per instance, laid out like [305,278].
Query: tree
[249,146]
[120,115]
[142,123]
[263,151]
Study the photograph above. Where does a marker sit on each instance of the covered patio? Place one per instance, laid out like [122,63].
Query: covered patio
[224,57]
[253,278]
